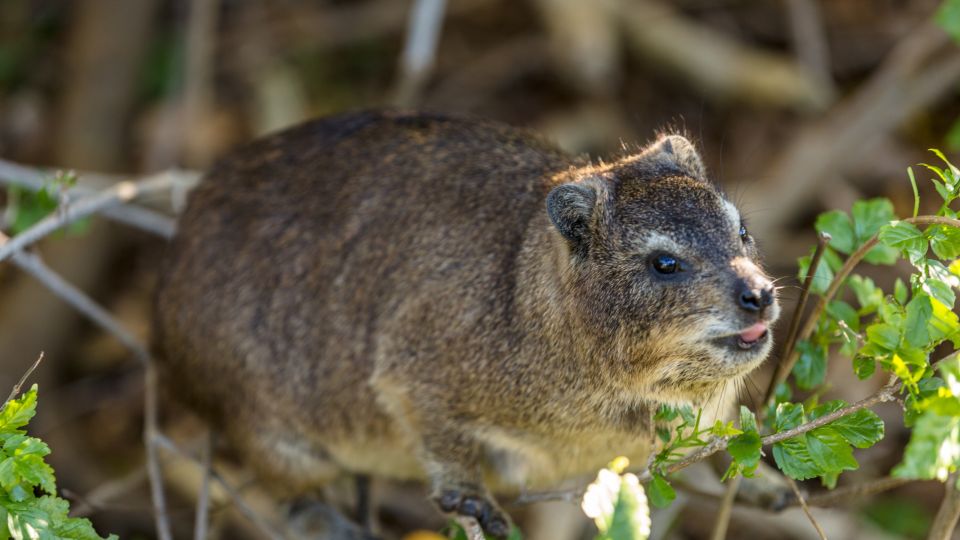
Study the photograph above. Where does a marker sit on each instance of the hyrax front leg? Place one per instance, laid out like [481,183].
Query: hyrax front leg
[452,458]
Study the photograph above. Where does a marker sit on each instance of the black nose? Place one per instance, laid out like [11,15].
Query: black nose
[754,300]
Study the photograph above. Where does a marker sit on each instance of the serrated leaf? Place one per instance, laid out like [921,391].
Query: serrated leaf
[883,335]
[789,416]
[861,429]
[899,291]
[944,241]
[933,450]
[869,296]
[661,492]
[829,451]
[794,460]
[745,448]
[822,278]
[811,366]
[864,367]
[840,228]
[840,310]
[919,312]
[18,412]
[905,237]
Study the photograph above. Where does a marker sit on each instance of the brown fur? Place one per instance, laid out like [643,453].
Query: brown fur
[396,294]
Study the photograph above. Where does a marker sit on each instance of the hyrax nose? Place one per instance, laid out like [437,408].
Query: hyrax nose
[754,298]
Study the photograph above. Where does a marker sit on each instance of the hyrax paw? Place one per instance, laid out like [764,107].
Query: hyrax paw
[492,519]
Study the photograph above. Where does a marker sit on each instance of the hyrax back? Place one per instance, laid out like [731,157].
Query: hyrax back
[419,296]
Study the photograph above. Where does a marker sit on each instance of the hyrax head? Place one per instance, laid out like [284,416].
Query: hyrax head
[664,273]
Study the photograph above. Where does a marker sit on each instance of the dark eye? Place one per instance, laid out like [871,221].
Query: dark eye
[743,233]
[665,264]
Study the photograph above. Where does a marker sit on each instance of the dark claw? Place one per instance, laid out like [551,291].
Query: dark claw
[490,518]
[496,526]
[449,501]
[474,507]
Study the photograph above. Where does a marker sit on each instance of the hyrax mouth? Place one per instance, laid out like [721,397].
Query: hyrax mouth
[748,339]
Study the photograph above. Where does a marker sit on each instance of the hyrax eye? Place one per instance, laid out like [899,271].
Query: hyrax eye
[743,233]
[666,264]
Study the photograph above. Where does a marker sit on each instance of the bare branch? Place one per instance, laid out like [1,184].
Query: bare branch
[203,498]
[114,196]
[722,521]
[809,39]
[822,240]
[948,513]
[420,50]
[147,219]
[806,509]
[19,386]
[150,436]
[269,529]
[33,265]
[845,493]
[715,63]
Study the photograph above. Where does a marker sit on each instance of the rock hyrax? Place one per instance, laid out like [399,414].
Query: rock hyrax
[419,296]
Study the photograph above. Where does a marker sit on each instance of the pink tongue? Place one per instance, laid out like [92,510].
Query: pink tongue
[753,333]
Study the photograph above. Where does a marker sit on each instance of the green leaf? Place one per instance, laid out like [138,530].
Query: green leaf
[864,367]
[789,416]
[861,429]
[840,310]
[933,450]
[824,275]
[885,336]
[919,312]
[17,412]
[794,460]
[868,217]
[661,492]
[905,237]
[811,366]
[745,449]
[840,228]
[829,450]
[944,241]
[869,296]
[948,17]
[899,291]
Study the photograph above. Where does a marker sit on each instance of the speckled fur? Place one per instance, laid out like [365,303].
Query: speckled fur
[385,293]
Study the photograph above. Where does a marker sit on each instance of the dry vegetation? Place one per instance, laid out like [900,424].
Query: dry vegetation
[799,106]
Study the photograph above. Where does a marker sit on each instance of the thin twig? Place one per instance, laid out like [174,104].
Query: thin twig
[201,522]
[806,509]
[420,49]
[811,322]
[809,39]
[269,529]
[948,513]
[34,266]
[822,240]
[146,219]
[154,471]
[96,498]
[61,217]
[722,521]
[845,493]
[23,380]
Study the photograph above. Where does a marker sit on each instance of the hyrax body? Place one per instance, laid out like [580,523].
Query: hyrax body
[422,296]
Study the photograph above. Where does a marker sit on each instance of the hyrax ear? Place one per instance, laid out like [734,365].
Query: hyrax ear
[681,153]
[570,207]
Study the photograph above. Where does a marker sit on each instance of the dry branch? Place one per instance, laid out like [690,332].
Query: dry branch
[806,509]
[147,219]
[17,388]
[948,513]
[716,64]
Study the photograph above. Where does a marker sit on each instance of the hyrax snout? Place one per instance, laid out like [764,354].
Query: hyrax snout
[419,296]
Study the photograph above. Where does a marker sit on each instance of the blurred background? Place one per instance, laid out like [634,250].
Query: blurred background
[797,106]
